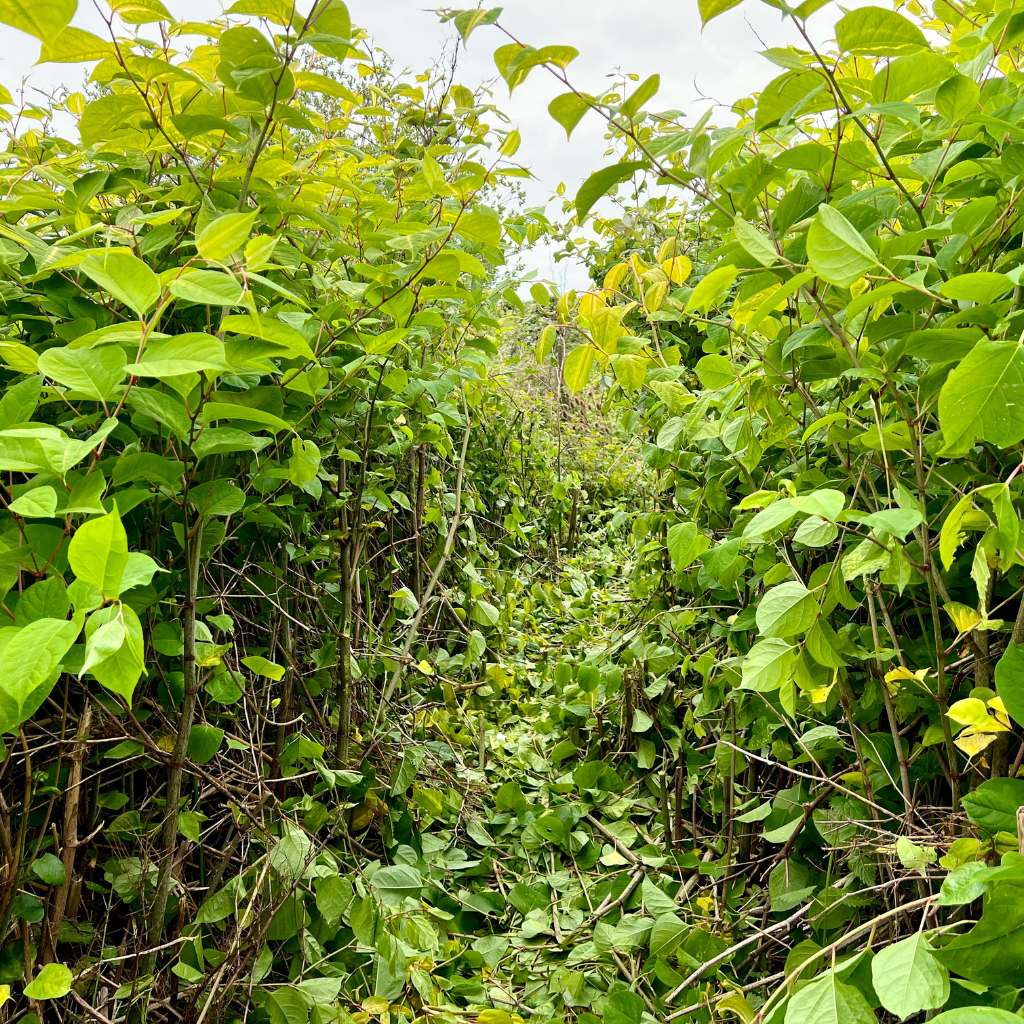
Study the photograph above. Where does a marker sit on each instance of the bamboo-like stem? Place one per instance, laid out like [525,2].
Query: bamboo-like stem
[449,545]
[176,766]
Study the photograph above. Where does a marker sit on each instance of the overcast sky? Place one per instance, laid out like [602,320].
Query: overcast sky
[718,64]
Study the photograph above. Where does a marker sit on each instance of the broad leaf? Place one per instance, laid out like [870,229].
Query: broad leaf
[90,372]
[828,1001]
[983,398]
[577,367]
[993,805]
[768,665]
[600,183]
[835,249]
[878,31]
[115,649]
[786,610]
[908,978]
[44,19]
[1010,681]
[685,544]
[29,663]
[126,277]
[52,982]
[755,242]
[568,110]
[225,235]
[992,950]
[206,287]
[713,8]
[185,353]
[711,290]
[98,553]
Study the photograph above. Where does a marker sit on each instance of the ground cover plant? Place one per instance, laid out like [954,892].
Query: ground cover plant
[386,639]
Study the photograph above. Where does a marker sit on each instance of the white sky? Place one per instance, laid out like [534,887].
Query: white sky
[720,63]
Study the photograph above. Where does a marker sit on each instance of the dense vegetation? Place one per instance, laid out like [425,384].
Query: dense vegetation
[381,645]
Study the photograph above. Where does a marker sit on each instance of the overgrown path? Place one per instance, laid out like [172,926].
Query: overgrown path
[571,879]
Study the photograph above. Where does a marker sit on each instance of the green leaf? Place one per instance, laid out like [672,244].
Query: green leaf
[568,110]
[262,667]
[913,856]
[29,664]
[1010,681]
[93,373]
[75,46]
[982,286]
[485,614]
[115,649]
[815,532]
[577,366]
[715,371]
[19,401]
[790,95]
[643,92]
[666,935]
[278,11]
[768,665]
[207,288]
[333,30]
[139,571]
[951,535]
[713,8]
[990,953]
[44,19]
[304,463]
[268,328]
[836,252]
[827,1000]
[908,978]
[712,289]
[964,884]
[140,12]
[203,743]
[398,880]
[976,1015]
[126,277]
[106,640]
[788,883]
[755,242]
[225,235]
[786,610]
[983,398]
[49,869]
[39,503]
[778,514]
[878,31]
[181,354]
[98,553]
[623,1007]
[515,61]
[214,411]
[957,98]
[52,982]
[47,599]
[993,805]
[480,225]
[221,440]
[333,896]
[467,21]
[630,370]
[685,543]
[217,498]
[601,182]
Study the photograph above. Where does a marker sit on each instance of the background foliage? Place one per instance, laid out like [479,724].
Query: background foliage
[380,644]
